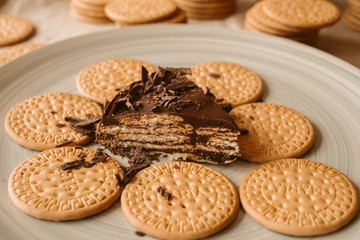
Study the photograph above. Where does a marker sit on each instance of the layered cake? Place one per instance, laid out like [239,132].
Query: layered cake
[166,113]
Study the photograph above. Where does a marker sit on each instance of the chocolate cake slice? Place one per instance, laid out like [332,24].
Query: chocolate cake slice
[166,113]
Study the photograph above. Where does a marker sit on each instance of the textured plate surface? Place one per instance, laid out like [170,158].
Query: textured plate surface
[320,86]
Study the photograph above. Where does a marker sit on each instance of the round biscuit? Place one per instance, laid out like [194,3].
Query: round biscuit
[298,197]
[178,17]
[179,200]
[93,2]
[39,123]
[305,14]
[104,78]
[17,50]
[275,132]
[231,82]
[139,11]
[39,188]
[14,29]
[257,14]
[88,12]
[89,19]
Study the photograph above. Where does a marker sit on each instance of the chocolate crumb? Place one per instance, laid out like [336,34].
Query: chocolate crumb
[176,167]
[81,155]
[214,75]
[140,234]
[244,131]
[164,193]
[65,142]
[52,112]
[182,206]
[251,117]
[79,147]
[68,171]
[60,125]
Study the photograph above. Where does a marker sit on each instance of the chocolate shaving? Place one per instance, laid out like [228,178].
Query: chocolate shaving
[72,164]
[53,112]
[182,86]
[88,123]
[118,178]
[89,164]
[60,125]
[82,130]
[137,163]
[85,126]
[214,75]
[226,106]
[71,119]
[65,142]
[100,156]
[140,234]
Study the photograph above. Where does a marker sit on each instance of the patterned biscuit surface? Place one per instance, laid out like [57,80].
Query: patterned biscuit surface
[38,186]
[298,197]
[302,13]
[231,82]
[14,29]
[104,78]
[139,11]
[275,132]
[39,122]
[17,50]
[179,200]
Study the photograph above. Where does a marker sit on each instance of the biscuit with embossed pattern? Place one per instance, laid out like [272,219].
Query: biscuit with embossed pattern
[299,197]
[17,50]
[39,188]
[14,29]
[305,14]
[104,78]
[180,200]
[231,82]
[139,11]
[275,132]
[39,122]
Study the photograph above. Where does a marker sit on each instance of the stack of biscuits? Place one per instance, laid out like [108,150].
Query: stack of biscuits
[207,9]
[352,14]
[91,11]
[299,20]
[134,12]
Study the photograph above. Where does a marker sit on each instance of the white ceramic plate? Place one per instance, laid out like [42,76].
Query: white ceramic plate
[320,86]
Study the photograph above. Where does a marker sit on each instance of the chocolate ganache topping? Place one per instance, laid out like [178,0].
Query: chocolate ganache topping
[168,91]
